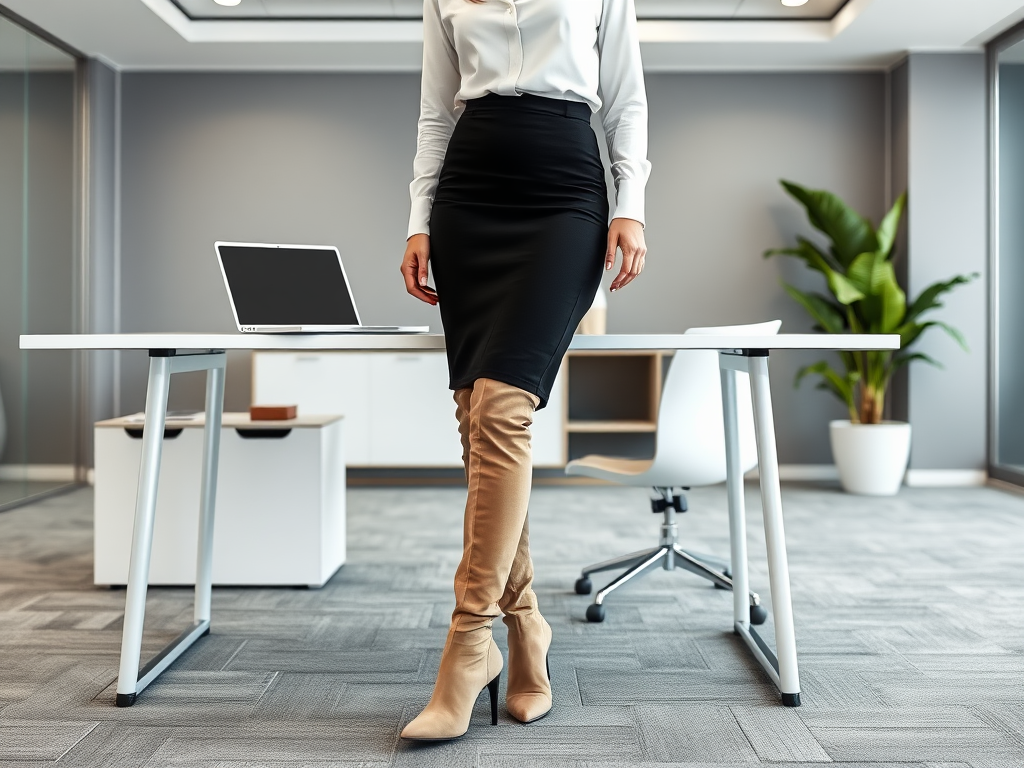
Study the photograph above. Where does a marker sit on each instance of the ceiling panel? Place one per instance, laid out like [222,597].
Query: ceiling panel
[387,9]
[774,9]
[690,9]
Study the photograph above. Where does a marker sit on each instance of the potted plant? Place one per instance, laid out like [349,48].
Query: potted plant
[871,453]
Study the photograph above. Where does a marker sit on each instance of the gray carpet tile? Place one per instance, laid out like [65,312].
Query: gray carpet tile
[40,739]
[906,609]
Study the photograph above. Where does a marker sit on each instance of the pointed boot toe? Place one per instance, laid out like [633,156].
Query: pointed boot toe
[528,707]
[470,664]
[432,726]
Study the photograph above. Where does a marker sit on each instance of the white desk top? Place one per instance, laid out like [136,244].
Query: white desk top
[398,342]
[228,420]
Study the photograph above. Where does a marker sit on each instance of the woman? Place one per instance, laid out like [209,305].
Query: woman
[509,206]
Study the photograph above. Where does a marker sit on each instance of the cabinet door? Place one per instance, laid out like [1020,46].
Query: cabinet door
[413,412]
[548,431]
[320,383]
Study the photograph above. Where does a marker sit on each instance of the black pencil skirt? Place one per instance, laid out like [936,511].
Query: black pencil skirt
[518,231]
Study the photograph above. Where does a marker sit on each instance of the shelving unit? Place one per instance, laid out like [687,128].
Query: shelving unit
[611,403]
[602,402]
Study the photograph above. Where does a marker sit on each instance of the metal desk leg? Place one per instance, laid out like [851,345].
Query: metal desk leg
[211,450]
[163,363]
[737,510]
[142,534]
[771,501]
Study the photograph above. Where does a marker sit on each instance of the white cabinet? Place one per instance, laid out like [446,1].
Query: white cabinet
[320,383]
[413,412]
[280,511]
[398,409]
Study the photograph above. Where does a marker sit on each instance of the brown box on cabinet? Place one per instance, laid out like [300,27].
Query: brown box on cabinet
[273,412]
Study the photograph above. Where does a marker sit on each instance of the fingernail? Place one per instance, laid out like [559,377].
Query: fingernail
[423,281]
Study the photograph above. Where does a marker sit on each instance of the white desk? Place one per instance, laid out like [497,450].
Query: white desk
[181,352]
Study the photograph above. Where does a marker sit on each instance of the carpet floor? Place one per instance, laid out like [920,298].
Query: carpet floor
[906,618]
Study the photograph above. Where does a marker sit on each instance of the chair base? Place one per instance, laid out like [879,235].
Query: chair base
[669,557]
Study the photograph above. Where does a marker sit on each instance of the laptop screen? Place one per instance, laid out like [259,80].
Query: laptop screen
[273,285]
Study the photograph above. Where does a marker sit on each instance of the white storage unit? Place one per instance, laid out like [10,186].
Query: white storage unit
[280,511]
[398,409]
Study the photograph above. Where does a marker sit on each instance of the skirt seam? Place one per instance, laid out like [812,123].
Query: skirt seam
[569,331]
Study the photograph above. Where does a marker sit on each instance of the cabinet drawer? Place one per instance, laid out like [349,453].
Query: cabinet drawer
[320,383]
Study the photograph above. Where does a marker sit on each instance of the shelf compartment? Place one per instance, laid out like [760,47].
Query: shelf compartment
[624,445]
[611,426]
[613,387]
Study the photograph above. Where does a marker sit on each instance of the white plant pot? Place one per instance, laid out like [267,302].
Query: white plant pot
[871,458]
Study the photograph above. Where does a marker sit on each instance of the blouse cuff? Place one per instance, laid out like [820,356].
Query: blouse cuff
[629,200]
[419,217]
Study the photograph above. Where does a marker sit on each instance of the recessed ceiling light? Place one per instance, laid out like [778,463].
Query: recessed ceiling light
[789,3]
[233,3]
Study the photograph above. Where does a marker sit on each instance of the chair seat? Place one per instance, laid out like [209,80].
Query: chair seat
[622,471]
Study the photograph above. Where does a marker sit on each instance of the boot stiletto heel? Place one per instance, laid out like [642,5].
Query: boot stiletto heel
[492,689]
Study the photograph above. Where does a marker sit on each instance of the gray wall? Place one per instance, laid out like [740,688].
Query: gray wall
[327,157]
[1011,265]
[101,252]
[947,235]
[36,231]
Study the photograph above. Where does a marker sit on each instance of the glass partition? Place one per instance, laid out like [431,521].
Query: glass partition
[37,258]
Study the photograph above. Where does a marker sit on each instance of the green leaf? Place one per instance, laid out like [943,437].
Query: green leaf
[842,386]
[851,234]
[884,303]
[890,225]
[828,316]
[844,291]
[893,299]
[911,332]
[928,298]
[900,360]
[953,334]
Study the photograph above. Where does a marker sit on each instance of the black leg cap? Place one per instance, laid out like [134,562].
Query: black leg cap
[758,615]
[125,699]
[584,586]
[791,699]
[595,613]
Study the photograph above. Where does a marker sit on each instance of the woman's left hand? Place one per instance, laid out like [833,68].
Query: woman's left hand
[626,235]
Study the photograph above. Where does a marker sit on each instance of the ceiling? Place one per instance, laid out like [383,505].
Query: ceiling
[863,34]
[413,9]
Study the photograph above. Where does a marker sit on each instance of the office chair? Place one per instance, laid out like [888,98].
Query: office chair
[690,451]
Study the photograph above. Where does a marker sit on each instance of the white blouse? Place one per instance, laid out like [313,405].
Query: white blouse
[579,50]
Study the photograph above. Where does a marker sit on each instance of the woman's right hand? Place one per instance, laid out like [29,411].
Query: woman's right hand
[414,268]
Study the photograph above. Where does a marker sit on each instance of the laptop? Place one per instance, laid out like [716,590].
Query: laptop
[292,289]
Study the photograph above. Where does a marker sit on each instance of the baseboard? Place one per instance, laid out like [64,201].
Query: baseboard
[802,472]
[1003,485]
[945,478]
[47,473]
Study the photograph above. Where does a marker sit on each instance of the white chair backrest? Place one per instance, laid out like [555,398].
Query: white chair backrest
[691,436]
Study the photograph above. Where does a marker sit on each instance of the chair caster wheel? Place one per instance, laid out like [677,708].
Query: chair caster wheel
[583,586]
[727,573]
[758,614]
[595,613]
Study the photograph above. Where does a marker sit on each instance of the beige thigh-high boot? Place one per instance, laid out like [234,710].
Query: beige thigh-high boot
[528,690]
[499,472]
